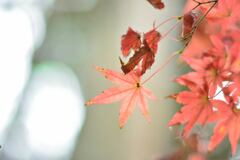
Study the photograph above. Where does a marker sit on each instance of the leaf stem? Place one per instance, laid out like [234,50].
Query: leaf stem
[189,37]
[170,30]
[201,3]
[162,66]
[220,91]
[169,19]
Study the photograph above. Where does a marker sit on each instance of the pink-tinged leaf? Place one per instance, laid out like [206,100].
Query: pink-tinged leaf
[205,116]
[158,4]
[148,93]
[196,109]
[129,90]
[111,95]
[116,77]
[187,97]
[199,64]
[234,134]
[183,115]
[143,106]
[191,80]
[127,108]
[216,41]
[220,131]
[131,40]
[223,108]
[190,124]
[176,120]
[228,123]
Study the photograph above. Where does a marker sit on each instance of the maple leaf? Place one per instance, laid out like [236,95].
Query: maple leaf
[145,55]
[235,64]
[158,4]
[213,64]
[197,108]
[224,14]
[129,90]
[223,9]
[228,124]
[131,40]
[151,39]
[189,20]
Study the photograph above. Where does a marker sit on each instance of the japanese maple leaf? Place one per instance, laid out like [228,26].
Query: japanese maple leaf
[129,90]
[213,64]
[225,14]
[235,53]
[197,109]
[145,55]
[223,9]
[232,90]
[152,38]
[131,40]
[214,73]
[228,124]
[158,4]
[189,20]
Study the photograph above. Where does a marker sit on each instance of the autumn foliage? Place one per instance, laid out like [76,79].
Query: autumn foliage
[211,48]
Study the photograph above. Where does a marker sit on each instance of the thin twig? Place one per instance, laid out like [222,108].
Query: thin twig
[201,3]
[162,66]
[220,91]
[198,24]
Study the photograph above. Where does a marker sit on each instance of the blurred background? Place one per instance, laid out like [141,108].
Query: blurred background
[48,50]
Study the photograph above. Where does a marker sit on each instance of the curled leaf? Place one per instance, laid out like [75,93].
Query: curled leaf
[189,20]
[144,56]
[131,40]
[152,38]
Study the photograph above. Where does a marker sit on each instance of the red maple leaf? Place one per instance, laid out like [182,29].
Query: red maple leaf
[158,4]
[228,123]
[223,9]
[145,55]
[131,40]
[235,64]
[151,39]
[224,15]
[129,90]
[197,109]
[214,64]
[189,20]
